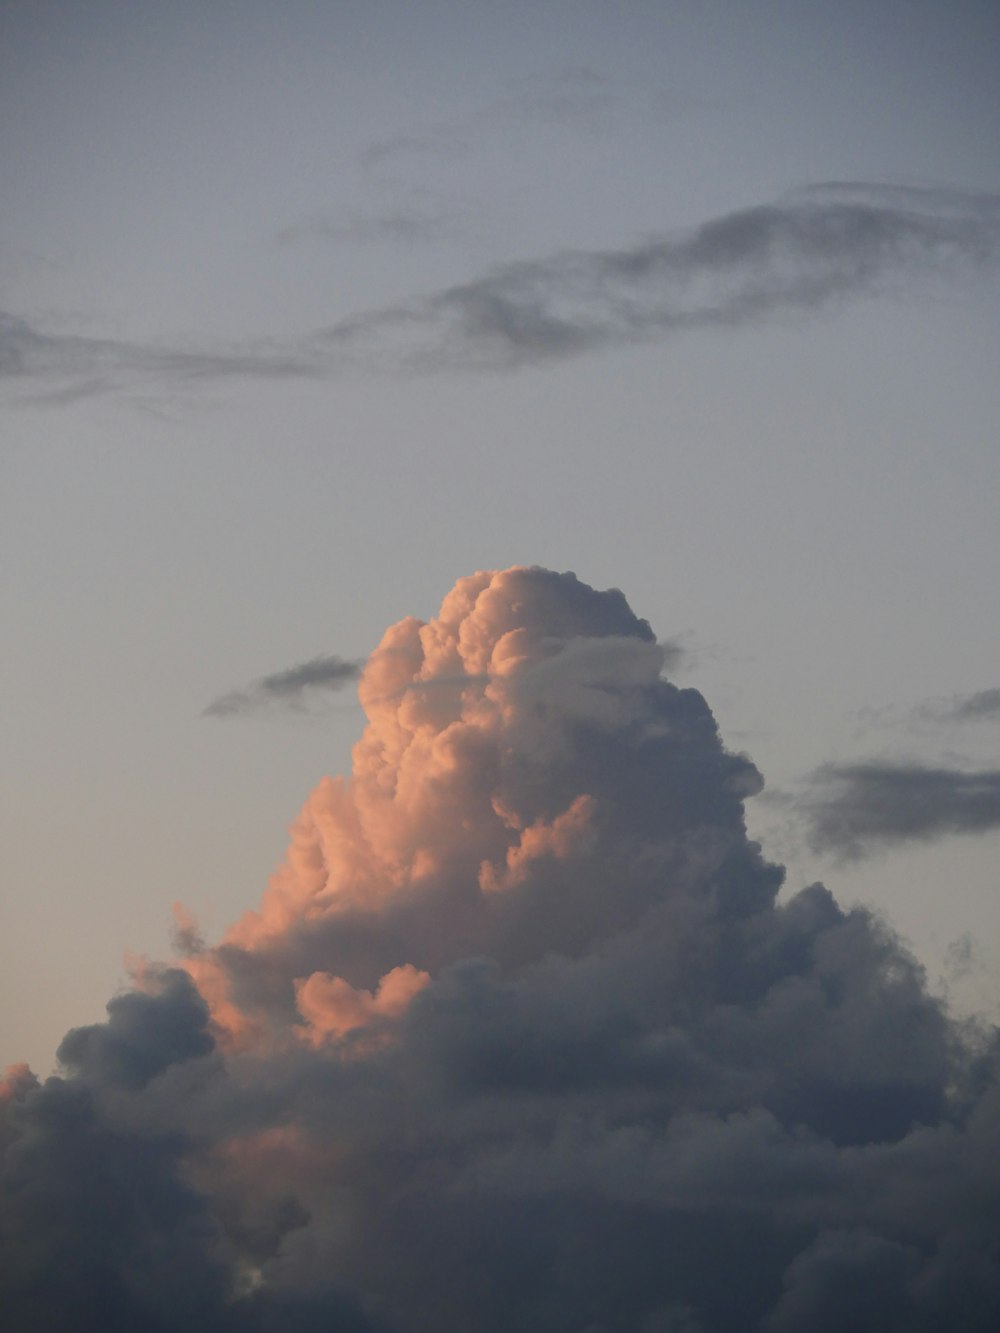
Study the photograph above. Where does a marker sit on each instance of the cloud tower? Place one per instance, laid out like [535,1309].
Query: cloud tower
[520,1036]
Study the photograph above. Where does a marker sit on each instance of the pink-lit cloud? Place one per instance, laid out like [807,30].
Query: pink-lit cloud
[519,1036]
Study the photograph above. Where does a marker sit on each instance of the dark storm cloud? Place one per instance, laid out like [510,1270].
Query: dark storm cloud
[795,256]
[97,1230]
[856,809]
[100,1232]
[519,1038]
[144,1034]
[287,688]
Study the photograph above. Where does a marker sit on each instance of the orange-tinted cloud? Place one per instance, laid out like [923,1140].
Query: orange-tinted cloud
[435,807]
[331,1007]
[519,1037]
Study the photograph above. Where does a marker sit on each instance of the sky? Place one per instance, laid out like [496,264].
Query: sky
[306,316]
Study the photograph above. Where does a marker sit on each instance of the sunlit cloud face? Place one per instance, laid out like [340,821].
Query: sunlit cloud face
[518,1037]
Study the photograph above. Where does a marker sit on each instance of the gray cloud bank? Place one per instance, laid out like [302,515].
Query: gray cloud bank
[856,809]
[288,688]
[519,1038]
[794,256]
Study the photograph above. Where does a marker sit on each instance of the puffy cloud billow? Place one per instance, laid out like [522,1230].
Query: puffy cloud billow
[518,1038]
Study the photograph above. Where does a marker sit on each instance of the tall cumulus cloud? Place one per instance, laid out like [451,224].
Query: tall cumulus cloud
[518,1037]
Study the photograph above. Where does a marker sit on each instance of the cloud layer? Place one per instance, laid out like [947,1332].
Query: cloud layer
[983,706]
[795,256]
[288,688]
[519,1037]
[855,809]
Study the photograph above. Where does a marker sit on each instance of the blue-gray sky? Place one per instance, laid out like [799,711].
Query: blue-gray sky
[308,312]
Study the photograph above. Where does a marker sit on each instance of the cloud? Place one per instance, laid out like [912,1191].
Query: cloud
[519,1036]
[396,225]
[856,809]
[980,706]
[983,706]
[577,97]
[797,255]
[97,1225]
[287,688]
[61,368]
[425,218]
[793,257]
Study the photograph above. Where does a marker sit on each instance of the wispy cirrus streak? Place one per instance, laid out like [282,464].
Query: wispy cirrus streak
[856,809]
[794,256]
[287,688]
[983,706]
